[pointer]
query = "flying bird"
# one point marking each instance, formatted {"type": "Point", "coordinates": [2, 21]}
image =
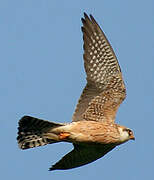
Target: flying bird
{"type": "Point", "coordinates": [93, 131]}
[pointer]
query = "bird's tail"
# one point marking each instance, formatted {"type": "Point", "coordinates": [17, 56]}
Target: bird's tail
{"type": "Point", "coordinates": [32, 132]}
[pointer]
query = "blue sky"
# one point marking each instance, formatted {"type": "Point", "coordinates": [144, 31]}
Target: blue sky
{"type": "Point", "coordinates": [42, 75]}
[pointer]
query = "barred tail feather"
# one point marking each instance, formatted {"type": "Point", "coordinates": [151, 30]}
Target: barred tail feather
{"type": "Point", "coordinates": [31, 132]}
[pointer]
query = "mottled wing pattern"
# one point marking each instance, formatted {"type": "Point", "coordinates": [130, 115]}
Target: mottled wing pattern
{"type": "Point", "coordinates": [89, 92]}
{"type": "Point", "coordinates": [82, 155]}
{"type": "Point", "coordinates": [105, 89]}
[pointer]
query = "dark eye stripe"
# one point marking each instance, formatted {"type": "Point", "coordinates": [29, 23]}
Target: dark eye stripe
{"type": "Point", "coordinates": [129, 131]}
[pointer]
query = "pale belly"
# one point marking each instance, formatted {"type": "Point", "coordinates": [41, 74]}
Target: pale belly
{"type": "Point", "coordinates": [90, 132]}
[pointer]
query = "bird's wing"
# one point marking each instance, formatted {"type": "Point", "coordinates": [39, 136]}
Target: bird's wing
{"type": "Point", "coordinates": [105, 89]}
{"type": "Point", "coordinates": [82, 155]}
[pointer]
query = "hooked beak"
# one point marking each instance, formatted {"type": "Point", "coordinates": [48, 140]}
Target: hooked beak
{"type": "Point", "coordinates": [132, 137]}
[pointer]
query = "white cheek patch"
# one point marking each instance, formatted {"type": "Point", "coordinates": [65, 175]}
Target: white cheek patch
{"type": "Point", "coordinates": [124, 136]}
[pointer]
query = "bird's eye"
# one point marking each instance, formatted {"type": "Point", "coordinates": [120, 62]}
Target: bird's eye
{"type": "Point", "coordinates": [129, 131]}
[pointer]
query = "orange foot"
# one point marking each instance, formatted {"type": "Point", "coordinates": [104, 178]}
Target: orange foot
{"type": "Point", "coordinates": [63, 135]}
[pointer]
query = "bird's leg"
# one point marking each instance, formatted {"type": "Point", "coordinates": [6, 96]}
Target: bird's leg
{"type": "Point", "coordinates": [63, 135]}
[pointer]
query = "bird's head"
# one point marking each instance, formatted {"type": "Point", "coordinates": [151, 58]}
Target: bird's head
{"type": "Point", "coordinates": [125, 134]}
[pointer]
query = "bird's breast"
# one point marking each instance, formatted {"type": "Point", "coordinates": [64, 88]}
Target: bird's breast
{"type": "Point", "coordinates": [91, 132]}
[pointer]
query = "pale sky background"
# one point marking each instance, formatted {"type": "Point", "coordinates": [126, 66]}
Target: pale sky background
{"type": "Point", "coordinates": [42, 75]}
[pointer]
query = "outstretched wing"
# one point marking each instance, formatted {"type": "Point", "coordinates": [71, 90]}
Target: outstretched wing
{"type": "Point", "coordinates": [82, 155]}
{"type": "Point", "coordinates": [105, 89]}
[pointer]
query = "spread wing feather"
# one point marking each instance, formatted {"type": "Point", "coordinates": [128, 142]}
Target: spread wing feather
{"type": "Point", "coordinates": [105, 89]}
{"type": "Point", "coordinates": [82, 155]}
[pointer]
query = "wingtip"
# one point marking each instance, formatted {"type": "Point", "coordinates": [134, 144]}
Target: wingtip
{"type": "Point", "coordinates": [52, 169]}
{"type": "Point", "coordinates": [83, 20]}
{"type": "Point", "coordinates": [85, 15]}
{"type": "Point", "coordinates": [93, 19]}
{"type": "Point", "coordinates": [87, 19]}
{"type": "Point", "coordinates": [91, 16]}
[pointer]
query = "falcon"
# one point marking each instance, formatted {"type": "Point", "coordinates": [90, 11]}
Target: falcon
{"type": "Point", "coordinates": [93, 131]}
